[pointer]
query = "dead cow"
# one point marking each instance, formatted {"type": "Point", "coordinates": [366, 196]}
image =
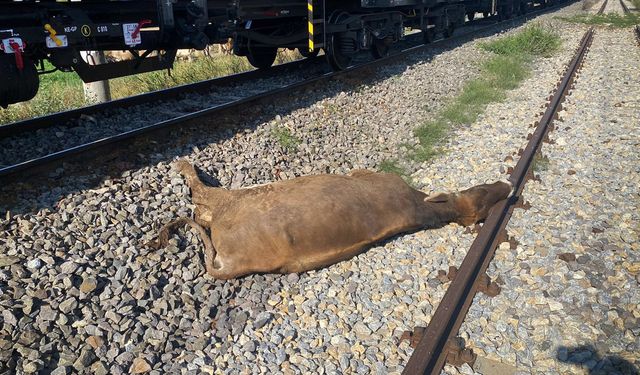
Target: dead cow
{"type": "Point", "coordinates": [314, 221]}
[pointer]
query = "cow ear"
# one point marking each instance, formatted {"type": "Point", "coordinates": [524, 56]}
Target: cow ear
{"type": "Point", "coordinates": [437, 198]}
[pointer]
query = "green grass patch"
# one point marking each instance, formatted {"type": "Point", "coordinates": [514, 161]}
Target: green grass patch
{"type": "Point", "coordinates": [393, 166]}
{"type": "Point", "coordinates": [58, 91]}
{"type": "Point", "coordinates": [539, 163]}
{"type": "Point", "coordinates": [505, 73]}
{"type": "Point", "coordinates": [612, 20]}
{"type": "Point", "coordinates": [285, 139]}
{"type": "Point", "coordinates": [183, 72]}
{"type": "Point", "coordinates": [61, 91]}
{"type": "Point", "coordinates": [533, 41]}
{"type": "Point", "coordinates": [505, 70]}
{"type": "Point", "coordinates": [429, 137]}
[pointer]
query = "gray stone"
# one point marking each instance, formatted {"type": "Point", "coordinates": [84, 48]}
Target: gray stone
{"type": "Point", "coordinates": [262, 319]}
{"type": "Point", "coordinates": [68, 305]}
{"type": "Point", "coordinates": [86, 358]}
{"type": "Point", "coordinates": [68, 267]}
{"type": "Point", "coordinates": [34, 264]}
{"type": "Point", "coordinates": [8, 317]}
{"type": "Point", "coordinates": [47, 313]}
{"type": "Point", "coordinates": [60, 370]}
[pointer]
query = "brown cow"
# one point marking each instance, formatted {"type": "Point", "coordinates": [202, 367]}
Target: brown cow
{"type": "Point", "coordinates": [314, 221]}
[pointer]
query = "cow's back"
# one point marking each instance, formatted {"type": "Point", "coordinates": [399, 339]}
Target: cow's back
{"type": "Point", "coordinates": [310, 221]}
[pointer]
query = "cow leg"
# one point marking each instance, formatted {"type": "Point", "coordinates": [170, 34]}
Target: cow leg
{"type": "Point", "coordinates": [189, 172]}
{"type": "Point", "coordinates": [209, 250]}
{"type": "Point", "coordinates": [209, 201]}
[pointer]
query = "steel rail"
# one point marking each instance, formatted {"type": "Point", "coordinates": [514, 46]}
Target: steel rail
{"type": "Point", "coordinates": [22, 167]}
{"type": "Point", "coordinates": [602, 8]}
{"type": "Point", "coordinates": [636, 28]}
{"type": "Point", "coordinates": [430, 353]}
{"type": "Point", "coordinates": [61, 118]}
{"type": "Point", "coordinates": [625, 8]}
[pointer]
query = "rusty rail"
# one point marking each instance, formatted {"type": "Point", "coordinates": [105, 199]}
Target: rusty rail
{"type": "Point", "coordinates": [438, 343]}
{"type": "Point", "coordinates": [604, 5]}
{"type": "Point", "coordinates": [625, 8]}
{"type": "Point", "coordinates": [636, 28]}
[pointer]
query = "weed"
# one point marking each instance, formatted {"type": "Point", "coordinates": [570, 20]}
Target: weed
{"type": "Point", "coordinates": [504, 71]}
{"type": "Point", "coordinates": [285, 139]}
{"type": "Point", "coordinates": [612, 20]}
{"type": "Point", "coordinates": [393, 166]}
{"type": "Point", "coordinates": [533, 41]}
{"type": "Point", "coordinates": [539, 163]}
{"type": "Point", "coordinates": [429, 137]}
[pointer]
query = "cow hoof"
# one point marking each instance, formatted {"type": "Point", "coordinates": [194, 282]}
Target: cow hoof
{"type": "Point", "coordinates": [156, 245]}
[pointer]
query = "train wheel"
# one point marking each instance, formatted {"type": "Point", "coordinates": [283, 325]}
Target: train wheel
{"type": "Point", "coordinates": [261, 57]}
{"type": "Point", "coordinates": [379, 48]}
{"type": "Point", "coordinates": [471, 15]}
{"type": "Point", "coordinates": [335, 53]}
{"type": "Point", "coordinates": [305, 52]}
{"type": "Point", "coordinates": [339, 49]}
{"type": "Point", "coordinates": [486, 14]}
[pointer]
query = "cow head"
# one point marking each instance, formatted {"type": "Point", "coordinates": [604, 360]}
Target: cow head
{"type": "Point", "coordinates": [474, 204]}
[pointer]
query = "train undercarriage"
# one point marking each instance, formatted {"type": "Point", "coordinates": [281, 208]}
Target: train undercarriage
{"type": "Point", "coordinates": [32, 33]}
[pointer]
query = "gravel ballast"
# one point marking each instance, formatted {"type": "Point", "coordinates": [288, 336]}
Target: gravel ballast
{"type": "Point", "coordinates": [81, 293]}
{"type": "Point", "coordinates": [570, 300]}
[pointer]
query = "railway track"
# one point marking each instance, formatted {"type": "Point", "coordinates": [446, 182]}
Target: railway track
{"type": "Point", "coordinates": [461, 354]}
{"type": "Point", "coordinates": [603, 7]}
{"type": "Point", "coordinates": [636, 28]}
{"type": "Point", "coordinates": [38, 162]}
{"type": "Point", "coordinates": [63, 118]}
{"type": "Point", "coordinates": [624, 6]}
{"type": "Point", "coordinates": [438, 343]}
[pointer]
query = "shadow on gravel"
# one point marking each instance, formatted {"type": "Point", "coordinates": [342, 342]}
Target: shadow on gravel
{"type": "Point", "coordinates": [48, 187]}
{"type": "Point", "coordinates": [587, 357]}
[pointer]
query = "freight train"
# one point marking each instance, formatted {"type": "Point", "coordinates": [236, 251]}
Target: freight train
{"type": "Point", "coordinates": [35, 32]}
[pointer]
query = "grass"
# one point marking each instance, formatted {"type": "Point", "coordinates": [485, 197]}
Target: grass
{"type": "Point", "coordinates": [429, 137]}
{"type": "Point", "coordinates": [393, 166]}
{"type": "Point", "coordinates": [285, 139]}
{"type": "Point", "coordinates": [58, 91]}
{"type": "Point", "coordinates": [503, 71]}
{"type": "Point", "coordinates": [61, 91]}
{"type": "Point", "coordinates": [533, 41]}
{"type": "Point", "coordinates": [540, 163]}
{"type": "Point", "coordinates": [611, 20]}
